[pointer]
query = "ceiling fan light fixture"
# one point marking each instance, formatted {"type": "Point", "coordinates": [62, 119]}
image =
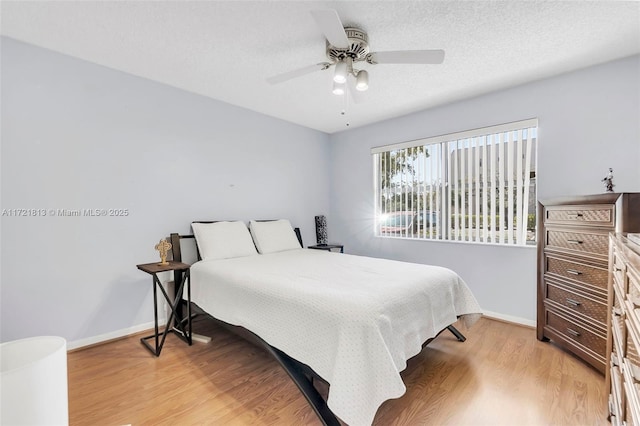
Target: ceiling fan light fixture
{"type": "Point", "coordinates": [340, 75]}
{"type": "Point", "coordinates": [338, 88]}
{"type": "Point", "coordinates": [362, 80]}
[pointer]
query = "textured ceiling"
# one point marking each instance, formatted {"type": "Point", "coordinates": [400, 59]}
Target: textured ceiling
{"type": "Point", "coordinates": [226, 49]}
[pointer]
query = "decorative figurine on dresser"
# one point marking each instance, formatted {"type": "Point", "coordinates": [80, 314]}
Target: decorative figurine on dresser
{"type": "Point", "coordinates": [608, 181]}
{"type": "Point", "coordinates": [573, 255]}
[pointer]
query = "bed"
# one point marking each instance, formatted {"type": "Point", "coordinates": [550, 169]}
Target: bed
{"type": "Point", "coordinates": [351, 321]}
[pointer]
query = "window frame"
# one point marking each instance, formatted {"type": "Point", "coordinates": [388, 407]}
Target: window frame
{"type": "Point", "coordinates": [502, 148]}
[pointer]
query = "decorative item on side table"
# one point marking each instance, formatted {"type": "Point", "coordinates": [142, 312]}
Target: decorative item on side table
{"type": "Point", "coordinates": [163, 248]}
{"type": "Point", "coordinates": [328, 247]}
{"type": "Point", "coordinates": [322, 237]}
{"type": "Point", "coordinates": [321, 230]}
{"type": "Point", "coordinates": [164, 266]}
{"type": "Point", "coordinates": [608, 181]}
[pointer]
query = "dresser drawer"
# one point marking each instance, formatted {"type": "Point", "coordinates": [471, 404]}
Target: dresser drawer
{"type": "Point", "coordinates": [588, 243]}
{"type": "Point", "coordinates": [614, 411]}
{"type": "Point", "coordinates": [619, 271]}
{"type": "Point", "coordinates": [577, 271]}
{"type": "Point", "coordinates": [618, 337]}
{"type": "Point", "coordinates": [576, 333]}
{"type": "Point", "coordinates": [617, 305]}
{"type": "Point", "coordinates": [615, 405]}
{"type": "Point", "coordinates": [632, 392]}
{"type": "Point", "coordinates": [633, 287]}
{"type": "Point", "coordinates": [629, 418]}
{"type": "Point", "coordinates": [590, 215]}
{"type": "Point", "coordinates": [633, 292]}
{"type": "Point", "coordinates": [578, 303]}
{"type": "Point", "coordinates": [631, 346]}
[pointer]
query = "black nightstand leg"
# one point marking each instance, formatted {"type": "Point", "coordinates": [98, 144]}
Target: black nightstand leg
{"type": "Point", "coordinates": [179, 329]}
{"type": "Point", "coordinates": [167, 327]}
{"type": "Point", "coordinates": [189, 307]}
{"type": "Point", "coordinates": [156, 334]}
{"type": "Point", "coordinates": [155, 313]}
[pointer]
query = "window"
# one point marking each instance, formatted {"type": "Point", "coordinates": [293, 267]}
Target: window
{"type": "Point", "coordinates": [474, 186]}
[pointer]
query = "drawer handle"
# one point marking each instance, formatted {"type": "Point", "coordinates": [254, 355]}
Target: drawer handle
{"type": "Point", "coordinates": [574, 241]}
{"type": "Point", "coordinates": [573, 302]}
{"type": "Point", "coordinates": [575, 215]}
{"type": "Point", "coordinates": [573, 332]}
{"type": "Point", "coordinates": [573, 272]}
{"type": "Point", "coordinates": [618, 269]}
{"type": "Point", "coordinates": [617, 312]}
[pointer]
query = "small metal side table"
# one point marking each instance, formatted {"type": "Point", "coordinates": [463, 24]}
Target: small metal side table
{"type": "Point", "coordinates": [328, 247]}
{"type": "Point", "coordinates": [185, 334]}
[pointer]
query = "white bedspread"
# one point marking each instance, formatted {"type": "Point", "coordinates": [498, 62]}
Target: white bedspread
{"type": "Point", "coordinates": [355, 320]}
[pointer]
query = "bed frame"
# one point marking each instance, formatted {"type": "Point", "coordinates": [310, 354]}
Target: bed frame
{"type": "Point", "coordinates": [301, 374]}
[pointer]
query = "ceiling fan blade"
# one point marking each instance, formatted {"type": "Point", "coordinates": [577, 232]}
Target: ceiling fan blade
{"type": "Point", "coordinates": [297, 73]}
{"type": "Point", "coordinates": [407, 57]}
{"type": "Point", "coordinates": [329, 23]}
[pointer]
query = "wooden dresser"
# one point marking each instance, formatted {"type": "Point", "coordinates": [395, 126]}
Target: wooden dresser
{"type": "Point", "coordinates": [573, 254]}
{"type": "Point", "coordinates": [623, 345]}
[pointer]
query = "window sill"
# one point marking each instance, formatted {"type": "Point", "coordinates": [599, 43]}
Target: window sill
{"type": "Point", "coordinates": [475, 243]}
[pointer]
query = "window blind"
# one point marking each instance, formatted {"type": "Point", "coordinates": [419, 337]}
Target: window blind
{"type": "Point", "coordinates": [475, 186]}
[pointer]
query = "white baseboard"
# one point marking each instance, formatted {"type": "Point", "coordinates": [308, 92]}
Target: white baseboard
{"type": "Point", "coordinates": [148, 326]}
{"type": "Point", "coordinates": [200, 338]}
{"type": "Point", "coordinates": [113, 335]}
{"type": "Point", "coordinates": [509, 318]}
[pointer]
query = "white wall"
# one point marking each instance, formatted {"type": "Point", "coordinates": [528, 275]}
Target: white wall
{"type": "Point", "coordinates": [76, 135]}
{"type": "Point", "coordinates": [589, 120]}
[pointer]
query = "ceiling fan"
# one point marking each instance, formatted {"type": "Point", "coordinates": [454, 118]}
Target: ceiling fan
{"type": "Point", "coordinates": [347, 46]}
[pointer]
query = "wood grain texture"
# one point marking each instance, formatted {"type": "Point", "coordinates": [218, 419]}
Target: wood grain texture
{"type": "Point", "coordinates": [501, 375]}
{"type": "Point", "coordinates": [576, 229]}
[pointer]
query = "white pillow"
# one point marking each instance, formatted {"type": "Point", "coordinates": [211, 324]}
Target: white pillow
{"type": "Point", "coordinates": [223, 240]}
{"type": "Point", "coordinates": [273, 236]}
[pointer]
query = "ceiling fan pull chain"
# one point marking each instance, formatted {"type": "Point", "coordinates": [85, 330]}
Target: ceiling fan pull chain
{"type": "Point", "coordinates": [346, 105]}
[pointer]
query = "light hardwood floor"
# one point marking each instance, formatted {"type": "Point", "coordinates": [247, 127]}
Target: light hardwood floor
{"type": "Point", "coordinates": [500, 376]}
